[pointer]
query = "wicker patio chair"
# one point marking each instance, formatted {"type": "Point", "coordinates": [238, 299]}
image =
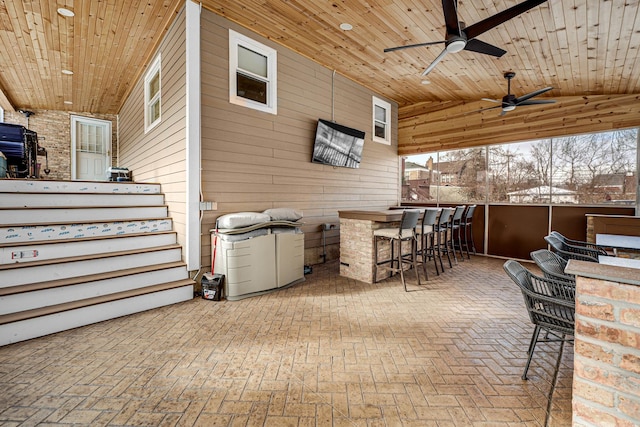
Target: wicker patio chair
{"type": "Point", "coordinates": [550, 305]}
{"type": "Point", "coordinates": [579, 243]}
{"type": "Point", "coordinates": [552, 265]}
{"type": "Point", "coordinates": [567, 252]}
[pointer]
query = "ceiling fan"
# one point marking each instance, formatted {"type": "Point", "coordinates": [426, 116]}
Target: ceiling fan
{"type": "Point", "coordinates": [510, 102]}
{"type": "Point", "coordinates": [460, 37]}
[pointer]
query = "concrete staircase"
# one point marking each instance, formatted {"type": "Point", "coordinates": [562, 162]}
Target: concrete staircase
{"type": "Point", "coordinates": [76, 253]}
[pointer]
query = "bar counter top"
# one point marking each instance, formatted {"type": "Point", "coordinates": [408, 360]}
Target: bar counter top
{"type": "Point", "coordinates": [376, 215]}
{"type": "Point", "coordinates": [611, 273]}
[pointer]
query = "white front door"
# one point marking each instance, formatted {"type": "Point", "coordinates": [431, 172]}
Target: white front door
{"type": "Point", "coordinates": [90, 148]}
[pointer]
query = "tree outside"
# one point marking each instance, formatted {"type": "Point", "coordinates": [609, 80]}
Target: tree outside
{"type": "Point", "coordinates": [584, 169]}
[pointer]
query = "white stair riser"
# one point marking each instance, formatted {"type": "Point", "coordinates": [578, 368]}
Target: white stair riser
{"type": "Point", "coordinates": [40, 233]}
{"type": "Point", "coordinates": [39, 273]}
{"type": "Point", "coordinates": [35, 186]}
{"type": "Point", "coordinates": [47, 297]}
{"type": "Point", "coordinates": [54, 216]}
{"type": "Point", "coordinates": [52, 251]}
{"type": "Point", "coordinates": [27, 200]}
{"type": "Point", "coordinates": [45, 325]}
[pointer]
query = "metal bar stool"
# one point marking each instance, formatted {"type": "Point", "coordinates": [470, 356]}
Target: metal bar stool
{"type": "Point", "coordinates": [467, 225]}
{"type": "Point", "coordinates": [455, 238]}
{"type": "Point", "coordinates": [406, 232]}
{"type": "Point", "coordinates": [425, 233]}
{"type": "Point", "coordinates": [440, 242]}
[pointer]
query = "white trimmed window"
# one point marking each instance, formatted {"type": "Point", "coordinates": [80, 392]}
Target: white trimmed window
{"type": "Point", "coordinates": [152, 96]}
{"type": "Point", "coordinates": [381, 121]}
{"type": "Point", "coordinates": [252, 74]}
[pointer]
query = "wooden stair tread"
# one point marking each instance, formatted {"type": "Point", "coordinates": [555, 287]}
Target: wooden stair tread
{"type": "Point", "coordinates": [87, 257]}
{"type": "Point", "coordinates": [58, 283]}
{"type": "Point", "coordinates": [82, 239]}
{"type": "Point", "coordinates": [44, 311]}
{"type": "Point", "coordinates": [13, 208]}
{"type": "Point", "coordinates": [88, 221]}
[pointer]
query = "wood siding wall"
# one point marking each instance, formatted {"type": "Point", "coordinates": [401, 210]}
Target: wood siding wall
{"type": "Point", "coordinates": [252, 161]}
{"type": "Point", "coordinates": [160, 155]}
{"type": "Point", "coordinates": [433, 126]}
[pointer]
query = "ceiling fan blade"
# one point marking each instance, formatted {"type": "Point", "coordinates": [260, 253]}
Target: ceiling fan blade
{"type": "Point", "coordinates": [478, 28]}
{"type": "Point", "coordinates": [536, 102]}
{"type": "Point", "coordinates": [481, 110]}
{"type": "Point", "coordinates": [450, 9]}
{"type": "Point", "coordinates": [392, 49]}
{"type": "Point", "coordinates": [532, 94]}
{"type": "Point", "coordinates": [476, 45]}
{"type": "Point", "coordinates": [490, 100]}
{"type": "Point", "coordinates": [435, 62]}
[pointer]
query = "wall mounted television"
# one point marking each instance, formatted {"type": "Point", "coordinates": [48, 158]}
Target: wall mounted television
{"type": "Point", "coordinates": [337, 145]}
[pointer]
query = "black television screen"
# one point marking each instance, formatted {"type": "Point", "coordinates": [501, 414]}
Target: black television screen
{"type": "Point", "coordinates": [337, 145]}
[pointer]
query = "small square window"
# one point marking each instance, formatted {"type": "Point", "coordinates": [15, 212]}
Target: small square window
{"type": "Point", "coordinates": [381, 121]}
{"type": "Point", "coordinates": [152, 96]}
{"type": "Point", "coordinates": [252, 74]}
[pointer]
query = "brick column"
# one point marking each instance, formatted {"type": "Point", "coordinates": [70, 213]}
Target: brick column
{"type": "Point", "coordinates": [606, 383]}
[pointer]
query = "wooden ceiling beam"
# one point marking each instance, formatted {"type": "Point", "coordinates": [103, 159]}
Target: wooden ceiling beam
{"type": "Point", "coordinates": [424, 127]}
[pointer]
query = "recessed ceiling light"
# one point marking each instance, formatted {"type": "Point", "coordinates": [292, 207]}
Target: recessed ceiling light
{"type": "Point", "coordinates": [66, 12]}
{"type": "Point", "coordinates": [68, 102]}
{"type": "Point", "coordinates": [346, 26]}
{"type": "Point", "coordinates": [67, 72]}
{"type": "Point", "coordinates": [426, 82]}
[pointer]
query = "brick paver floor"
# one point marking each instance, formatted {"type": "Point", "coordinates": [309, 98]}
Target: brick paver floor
{"type": "Point", "coordinates": [327, 352]}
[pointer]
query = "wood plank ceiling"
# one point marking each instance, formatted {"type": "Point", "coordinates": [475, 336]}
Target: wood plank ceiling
{"type": "Point", "coordinates": [588, 50]}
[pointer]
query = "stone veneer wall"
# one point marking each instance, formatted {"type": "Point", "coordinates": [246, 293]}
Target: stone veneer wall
{"type": "Point", "coordinates": [606, 384]}
{"type": "Point", "coordinates": [357, 249]}
{"type": "Point", "coordinates": [54, 133]}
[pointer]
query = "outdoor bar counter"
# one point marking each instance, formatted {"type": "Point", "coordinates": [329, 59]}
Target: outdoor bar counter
{"type": "Point", "coordinates": [607, 344]}
{"type": "Point", "coordinates": [356, 239]}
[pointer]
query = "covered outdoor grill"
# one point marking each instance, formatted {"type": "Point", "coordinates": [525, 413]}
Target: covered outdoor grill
{"type": "Point", "coordinates": [20, 147]}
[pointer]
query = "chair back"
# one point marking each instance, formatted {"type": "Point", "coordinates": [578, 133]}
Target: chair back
{"type": "Point", "coordinates": [568, 252]}
{"type": "Point", "coordinates": [552, 265]}
{"type": "Point", "coordinates": [457, 214]}
{"type": "Point", "coordinates": [550, 303]}
{"type": "Point", "coordinates": [579, 245]}
{"type": "Point", "coordinates": [468, 215]}
{"type": "Point", "coordinates": [445, 215]}
{"type": "Point", "coordinates": [430, 217]}
{"type": "Point", "coordinates": [409, 220]}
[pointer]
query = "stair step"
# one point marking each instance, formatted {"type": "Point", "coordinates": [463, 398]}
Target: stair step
{"type": "Point", "coordinates": [78, 214]}
{"type": "Point", "coordinates": [50, 200]}
{"type": "Point", "coordinates": [51, 250]}
{"type": "Point", "coordinates": [26, 297]}
{"type": "Point", "coordinates": [39, 322]}
{"type": "Point", "coordinates": [64, 268]}
{"type": "Point", "coordinates": [67, 187]}
{"type": "Point", "coordinates": [70, 281]}
{"type": "Point", "coordinates": [36, 233]}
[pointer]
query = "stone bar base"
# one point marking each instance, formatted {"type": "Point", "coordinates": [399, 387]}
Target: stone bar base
{"type": "Point", "coordinates": [606, 382]}
{"type": "Point", "coordinates": [357, 247]}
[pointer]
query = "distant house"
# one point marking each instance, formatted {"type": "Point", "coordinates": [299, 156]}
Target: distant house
{"type": "Point", "coordinates": [614, 183]}
{"type": "Point", "coordinates": [415, 171]}
{"type": "Point", "coordinates": [541, 194]}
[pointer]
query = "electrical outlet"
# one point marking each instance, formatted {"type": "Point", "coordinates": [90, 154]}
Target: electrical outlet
{"type": "Point", "coordinates": [208, 206]}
